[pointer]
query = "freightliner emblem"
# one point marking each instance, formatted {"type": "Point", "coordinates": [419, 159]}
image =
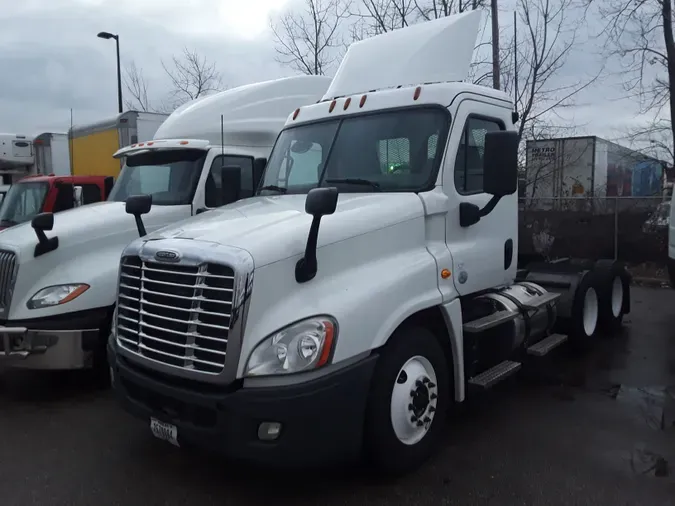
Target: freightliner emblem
{"type": "Point", "coordinates": [167, 256]}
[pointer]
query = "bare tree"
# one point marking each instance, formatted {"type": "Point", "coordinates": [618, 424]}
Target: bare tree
{"type": "Point", "coordinates": [308, 41]}
{"type": "Point", "coordinates": [640, 34]}
{"type": "Point", "coordinates": [137, 89]}
{"type": "Point", "coordinates": [550, 34]}
{"type": "Point", "coordinates": [191, 77]}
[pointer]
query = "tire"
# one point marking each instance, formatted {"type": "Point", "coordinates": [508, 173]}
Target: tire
{"type": "Point", "coordinates": [583, 325]}
{"type": "Point", "coordinates": [615, 290]}
{"type": "Point", "coordinates": [415, 351]}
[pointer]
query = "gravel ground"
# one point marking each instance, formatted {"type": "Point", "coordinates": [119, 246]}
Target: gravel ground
{"type": "Point", "coordinates": [599, 430]}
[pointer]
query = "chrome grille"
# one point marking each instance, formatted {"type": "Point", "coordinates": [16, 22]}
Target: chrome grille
{"type": "Point", "coordinates": [7, 267]}
{"type": "Point", "coordinates": [175, 314]}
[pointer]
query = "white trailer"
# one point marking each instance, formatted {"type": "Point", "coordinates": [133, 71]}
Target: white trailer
{"type": "Point", "coordinates": [52, 154]}
{"type": "Point", "coordinates": [57, 293]}
{"type": "Point", "coordinates": [370, 285]}
{"type": "Point", "coordinates": [588, 166]}
{"type": "Point", "coordinates": [16, 157]}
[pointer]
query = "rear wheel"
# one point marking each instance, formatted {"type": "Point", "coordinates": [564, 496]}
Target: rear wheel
{"type": "Point", "coordinates": [408, 401]}
{"type": "Point", "coordinates": [613, 299]}
{"type": "Point", "coordinates": [585, 317]}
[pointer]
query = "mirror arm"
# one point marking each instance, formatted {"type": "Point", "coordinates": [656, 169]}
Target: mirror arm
{"type": "Point", "coordinates": [489, 207]}
{"type": "Point", "coordinates": [306, 268]}
{"type": "Point", "coordinates": [139, 225]}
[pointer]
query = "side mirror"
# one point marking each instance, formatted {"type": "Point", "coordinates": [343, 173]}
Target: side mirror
{"type": "Point", "coordinates": [500, 175]}
{"type": "Point", "coordinates": [230, 183]}
{"type": "Point", "coordinates": [108, 184]}
{"type": "Point", "coordinates": [41, 223]}
{"type": "Point", "coordinates": [64, 197]}
{"type": "Point", "coordinates": [319, 202]}
{"type": "Point", "coordinates": [138, 205]}
{"type": "Point", "coordinates": [77, 196]}
{"type": "Point", "coordinates": [500, 163]}
{"type": "Point", "coordinates": [259, 165]}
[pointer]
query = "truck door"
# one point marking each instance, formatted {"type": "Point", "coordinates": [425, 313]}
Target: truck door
{"type": "Point", "coordinates": [212, 195]}
{"type": "Point", "coordinates": [484, 254]}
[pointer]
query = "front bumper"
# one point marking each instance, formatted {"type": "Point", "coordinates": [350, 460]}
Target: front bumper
{"type": "Point", "coordinates": [44, 349]}
{"type": "Point", "coordinates": [65, 341]}
{"type": "Point", "coordinates": [321, 420]}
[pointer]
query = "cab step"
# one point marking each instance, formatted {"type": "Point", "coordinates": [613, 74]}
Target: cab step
{"type": "Point", "coordinates": [489, 321]}
{"type": "Point", "coordinates": [487, 379]}
{"type": "Point", "coordinates": [546, 345]}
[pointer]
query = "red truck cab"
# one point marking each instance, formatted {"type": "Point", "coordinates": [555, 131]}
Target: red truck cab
{"type": "Point", "coordinates": [33, 195]}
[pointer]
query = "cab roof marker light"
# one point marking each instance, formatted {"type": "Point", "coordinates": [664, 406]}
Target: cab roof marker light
{"type": "Point", "coordinates": [363, 100]}
{"type": "Point", "coordinates": [183, 143]}
{"type": "Point", "coordinates": [418, 90]}
{"type": "Point", "coordinates": [295, 114]}
{"type": "Point", "coordinates": [347, 102]}
{"type": "Point", "coordinates": [332, 106]}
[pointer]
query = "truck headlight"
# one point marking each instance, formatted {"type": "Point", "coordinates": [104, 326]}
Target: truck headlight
{"type": "Point", "coordinates": [55, 295]}
{"type": "Point", "coordinates": [299, 347]}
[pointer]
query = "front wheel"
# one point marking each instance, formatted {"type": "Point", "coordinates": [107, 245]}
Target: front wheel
{"type": "Point", "coordinates": [408, 401]}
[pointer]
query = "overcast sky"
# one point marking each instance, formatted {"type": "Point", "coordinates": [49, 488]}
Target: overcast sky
{"type": "Point", "coordinates": [51, 59]}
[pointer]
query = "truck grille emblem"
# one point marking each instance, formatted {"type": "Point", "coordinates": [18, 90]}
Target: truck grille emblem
{"type": "Point", "coordinates": [167, 256]}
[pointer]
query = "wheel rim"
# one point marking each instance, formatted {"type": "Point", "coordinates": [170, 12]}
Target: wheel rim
{"type": "Point", "coordinates": [590, 317]}
{"type": "Point", "coordinates": [617, 296]}
{"type": "Point", "coordinates": [413, 400]}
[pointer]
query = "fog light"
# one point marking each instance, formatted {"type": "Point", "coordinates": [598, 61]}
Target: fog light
{"type": "Point", "coordinates": [269, 431]}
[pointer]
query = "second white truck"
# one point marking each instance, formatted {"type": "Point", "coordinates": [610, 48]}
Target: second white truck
{"type": "Point", "coordinates": [58, 273]}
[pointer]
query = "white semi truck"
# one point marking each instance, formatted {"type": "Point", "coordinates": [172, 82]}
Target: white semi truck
{"type": "Point", "coordinates": [371, 283]}
{"type": "Point", "coordinates": [58, 279]}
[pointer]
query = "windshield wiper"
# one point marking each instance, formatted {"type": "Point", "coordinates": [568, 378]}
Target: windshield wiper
{"type": "Point", "coordinates": [274, 188]}
{"type": "Point", "coordinates": [372, 184]}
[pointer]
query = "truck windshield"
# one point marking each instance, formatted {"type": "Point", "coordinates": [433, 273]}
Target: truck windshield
{"type": "Point", "coordinates": [170, 176]}
{"type": "Point", "coordinates": [395, 151]}
{"type": "Point", "coordinates": [22, 202]}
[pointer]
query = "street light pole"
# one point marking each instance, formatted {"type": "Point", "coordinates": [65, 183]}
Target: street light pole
{"type": "Point", "coordinates": [108, 35]}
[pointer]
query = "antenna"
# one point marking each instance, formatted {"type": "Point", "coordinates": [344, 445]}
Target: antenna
{"type": "Point", "coordinates": [222, 135]}
{"type": "Point", "coordinates": [70, 141]}
{"type": "Point", "coordinates": [515, 63]}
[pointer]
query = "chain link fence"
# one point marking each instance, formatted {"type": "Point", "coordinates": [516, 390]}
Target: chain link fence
{"type": "Point", "coordinates": [632, 229]}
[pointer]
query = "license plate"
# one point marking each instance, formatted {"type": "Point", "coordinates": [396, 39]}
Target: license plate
{"type": "Point", "coordinates": [164, 431]}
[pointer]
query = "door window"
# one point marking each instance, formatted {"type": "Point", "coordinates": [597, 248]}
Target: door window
{"type": "Point", "coordinates": [469, 161]}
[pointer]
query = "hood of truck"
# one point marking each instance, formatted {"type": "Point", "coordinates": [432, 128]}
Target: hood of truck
{"type": "Point", "coordinates": [91, 224]}
{"type": "Point", "coordinates": [275, 228]}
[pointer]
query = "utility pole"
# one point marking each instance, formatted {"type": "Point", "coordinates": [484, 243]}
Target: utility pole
{"type": "Point", "coordinates": [495, 44]}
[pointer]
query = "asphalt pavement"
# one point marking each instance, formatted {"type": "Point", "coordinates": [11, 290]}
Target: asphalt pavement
{"type": "Point", "coordinates": [597, 430]}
